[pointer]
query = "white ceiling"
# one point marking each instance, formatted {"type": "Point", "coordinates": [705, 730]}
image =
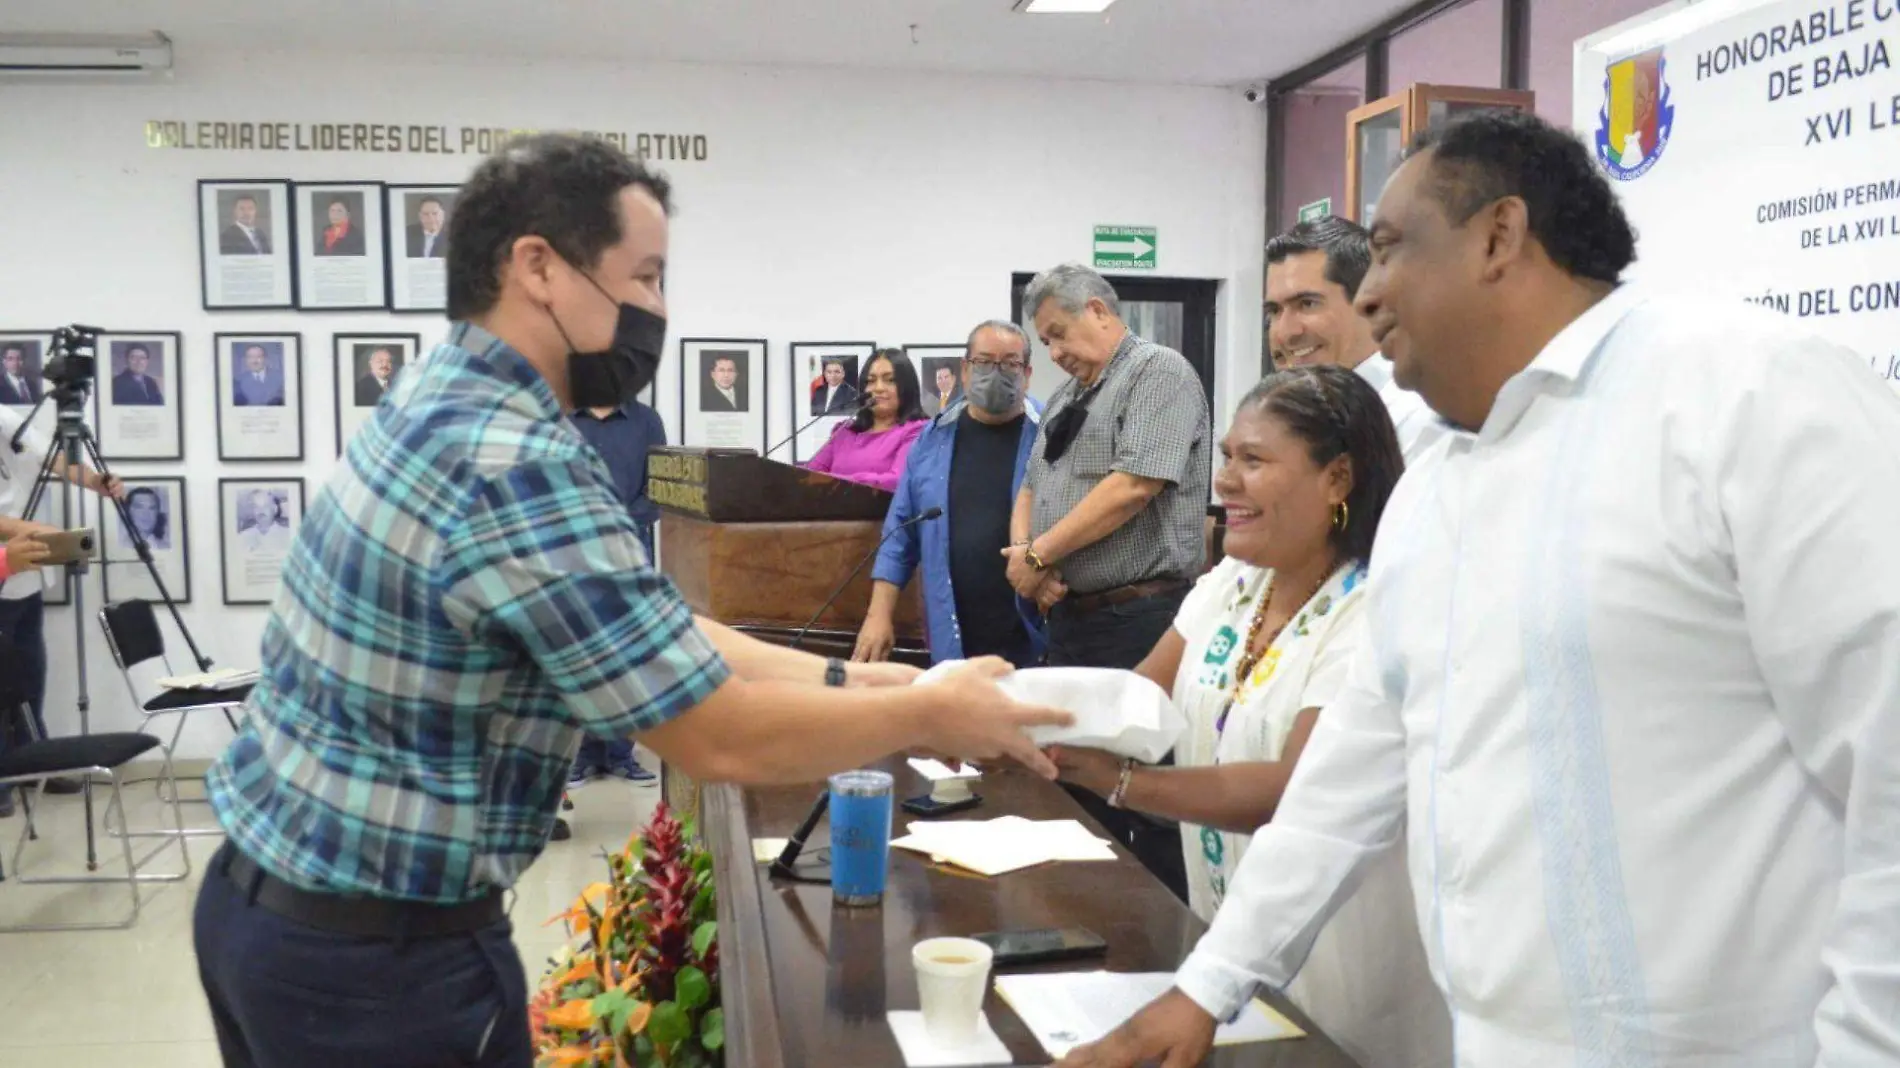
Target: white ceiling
{"type": "Point", "coordinates": [1194, 42]}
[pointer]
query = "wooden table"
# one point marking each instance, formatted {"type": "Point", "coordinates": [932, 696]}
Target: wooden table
{"type": "Point", "coordinates": [805, 985]}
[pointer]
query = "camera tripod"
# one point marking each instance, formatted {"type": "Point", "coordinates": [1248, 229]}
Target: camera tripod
{"type": "Point", "coordinates": [69, 372]}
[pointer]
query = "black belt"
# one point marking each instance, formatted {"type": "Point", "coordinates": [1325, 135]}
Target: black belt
{"type": "Point", "coordinates": [366, 917]}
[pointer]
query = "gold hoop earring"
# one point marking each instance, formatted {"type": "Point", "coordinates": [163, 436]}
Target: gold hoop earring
{"type": "Point", "coordinates": [1342, 516]}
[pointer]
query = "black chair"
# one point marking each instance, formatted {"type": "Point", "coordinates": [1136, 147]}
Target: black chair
{"type": "Point", "coordinates": [39, 760]}
{"type": "Point", "coordinates": [131, 629]}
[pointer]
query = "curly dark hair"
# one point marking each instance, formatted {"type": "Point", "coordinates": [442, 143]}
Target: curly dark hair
{"type": "Point", "coordinates": [1348, 250]}
{"type": "Point", "coordinates": [1484, 156]}
{"type": "Point", "coordinates": [1337, 412]}
{"type": "Point", "coordinates": [910, 402]}
{"type": "Point", "coordinates": [561, 187]}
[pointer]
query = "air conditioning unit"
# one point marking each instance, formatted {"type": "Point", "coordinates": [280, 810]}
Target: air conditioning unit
{"type": "Point", "coordinates": [84, 56]}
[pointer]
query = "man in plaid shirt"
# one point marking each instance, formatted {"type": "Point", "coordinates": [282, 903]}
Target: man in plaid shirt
{"type": "Point", "coordinates": [464, 602]}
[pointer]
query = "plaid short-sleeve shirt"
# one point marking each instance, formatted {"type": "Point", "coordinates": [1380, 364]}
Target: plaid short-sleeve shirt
{"type": "Point", "coordinates": [1147, 417]}
{"type": "Point", "coordinates": [463, 601]}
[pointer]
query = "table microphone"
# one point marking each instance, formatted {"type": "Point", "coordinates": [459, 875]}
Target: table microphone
{"type": "Point", "coordinates": [922, 517]}
{"type": "Point", "coordinates": [796, 844]}
{"type": "Point", "coordinates": [864, 402]}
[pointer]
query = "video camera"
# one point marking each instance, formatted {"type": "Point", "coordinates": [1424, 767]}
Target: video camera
{"type": "Point", "coordinates": [74, 360]}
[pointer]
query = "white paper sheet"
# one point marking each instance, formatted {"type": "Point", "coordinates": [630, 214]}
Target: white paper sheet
{"type": "Point", "coordinates": [1118, 711]}
{"type": "Point", "coordinates": [1069, 1009]}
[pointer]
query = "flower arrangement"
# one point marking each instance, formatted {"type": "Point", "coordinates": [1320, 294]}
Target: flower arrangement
{"type": "Point", "coordinates": [639, 985]}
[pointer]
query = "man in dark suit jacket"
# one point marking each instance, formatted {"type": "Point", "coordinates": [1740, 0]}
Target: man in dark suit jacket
{"type": "Point", "coordinates": [15, 386]}
{"type": "Point", "coordinates": [133, 386]}
{"type": "Point", "coordinates": [256, 386]}
{"type": "Point", "coordinates": [724, 392]}
{"type": "Point", "coordinates": [382, 372]}
{"type": "Point", "coordinates": [427, 239]}
{"type": "Point", "coordinates": [343, 237]}
{"type": "Point", "coordinates": [834, 396]}
{"type": "Point", "coordinates": [242, 236]}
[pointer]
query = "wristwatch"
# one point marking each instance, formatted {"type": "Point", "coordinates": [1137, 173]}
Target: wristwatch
{"type": "Point", "coordinates": [834, 672]}
{"type": "Point", "coordinates": [1034, 558]}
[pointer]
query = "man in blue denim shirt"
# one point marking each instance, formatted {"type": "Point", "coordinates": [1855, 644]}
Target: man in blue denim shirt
{"type": "Point", "coordinates": [957, 465]}
{"type": "Point", "coordinates": [622, 436]}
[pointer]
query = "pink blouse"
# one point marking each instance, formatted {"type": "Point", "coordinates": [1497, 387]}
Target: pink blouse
{"type": "Point", "coordinates": [875, 458]}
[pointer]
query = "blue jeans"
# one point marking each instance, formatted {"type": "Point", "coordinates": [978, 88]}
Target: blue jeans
{"type": "Point", "coordinates": [23, 662]}
{"type": "Point", "coordinates": [603, 752]}
{"type": "Point", "coordinates": [284, 995]}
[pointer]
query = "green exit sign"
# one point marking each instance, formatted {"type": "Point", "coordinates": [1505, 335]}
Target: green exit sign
{"type": "Point", "coordinates": [1318, 209]}
{"type": "Point", "coordinates": [1126, 247]}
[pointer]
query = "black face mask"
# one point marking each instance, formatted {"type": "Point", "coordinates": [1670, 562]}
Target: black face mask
{"type": "Point", "coordinates": [612, 378]}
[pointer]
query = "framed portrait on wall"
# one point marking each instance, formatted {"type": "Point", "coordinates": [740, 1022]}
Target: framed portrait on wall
{"type": "Point", "coordinates": [22, 368]}
{"type": "Point", "coordinates": [260, 396]}
{"type": "Point", "coordinates": [257, 521]}
{"type": "Point", "coordinates": [157, 508]}
{"type": "Point", "coordinates": [366, 368]}
{"type": "Point", "coordinates": [138, 398]}
{"type": "Point", "coordinates": [244, 244]}
{"type": "Point", "coordinates": [723, 385]}
{"type": "Point", "coordinates": [824, 388]}
{"type": "Point", "coordinates": [339, 232]}
{"type": "Point", "coordinates": [939, 373]}
{"type": "Point", "coordinates": [418, 245]}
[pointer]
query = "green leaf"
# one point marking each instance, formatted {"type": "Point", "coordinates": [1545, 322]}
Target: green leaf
{"type": "Point", "coordinates": [712, 1030]}
{"type": "Point", "coordinates": [691, 988]}
{"type": "Point", "coordinates": [669, 1025]}
{"type": "Point", "coordinates": [612, 1008]}
{"type": "Point", "coordinates": [703, 938]}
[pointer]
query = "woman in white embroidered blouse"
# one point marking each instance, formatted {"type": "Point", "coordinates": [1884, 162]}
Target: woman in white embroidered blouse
{"type": "Point", "coordinates": [1258, 650]}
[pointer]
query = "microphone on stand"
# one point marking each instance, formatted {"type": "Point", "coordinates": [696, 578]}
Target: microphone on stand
{"type": "Point", "coordinates": [783, 866]}
{"type": "Point", "coordinates": [863, 402]}
{"type": "Point", "coordinates": [922, 517]}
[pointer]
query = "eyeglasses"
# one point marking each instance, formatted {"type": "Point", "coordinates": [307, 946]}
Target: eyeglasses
{"type": "Point", "coordinates": [1007, 365]}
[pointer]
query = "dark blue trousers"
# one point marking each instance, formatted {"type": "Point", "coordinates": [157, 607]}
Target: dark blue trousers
{"type": "Point", "coordinates": [23, 658]}
{"type": "Point", "coordinates": [284, 995]}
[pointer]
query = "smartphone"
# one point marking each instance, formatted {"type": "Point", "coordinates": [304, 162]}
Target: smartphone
{"type": "Point", "coordinates": [1043, 945]}
{"type": "Point", "coordinates": [66, 546]}
{"type": "Point", "coordinates": [925, 805]}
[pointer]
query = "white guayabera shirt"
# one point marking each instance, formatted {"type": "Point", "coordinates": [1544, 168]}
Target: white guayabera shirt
{"type": "Point", "coordinates": [1632, 689]}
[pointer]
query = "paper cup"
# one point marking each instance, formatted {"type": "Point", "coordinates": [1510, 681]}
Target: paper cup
{"type": "Point", "coordinates": [952, 976]}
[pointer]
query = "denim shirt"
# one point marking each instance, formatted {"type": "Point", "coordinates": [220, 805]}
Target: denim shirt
{"type": "Point", "coordinates": [925, 484]}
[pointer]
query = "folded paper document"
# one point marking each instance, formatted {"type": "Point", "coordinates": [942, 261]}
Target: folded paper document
{"type": "Point", "coordinates": [1114, 710]}
{"type": "Point", "coordinates": [1010, 843]}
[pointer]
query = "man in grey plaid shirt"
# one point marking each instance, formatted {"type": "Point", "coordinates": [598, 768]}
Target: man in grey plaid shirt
{"type": "Point", "coordinates": [1107, 532]}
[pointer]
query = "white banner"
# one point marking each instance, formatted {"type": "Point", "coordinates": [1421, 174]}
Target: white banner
{"type": "Point", "coordinates": [1756, 145]}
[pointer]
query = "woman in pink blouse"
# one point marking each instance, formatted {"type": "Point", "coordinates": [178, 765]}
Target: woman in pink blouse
{"type": "Point", "coordinates": [871, 447]}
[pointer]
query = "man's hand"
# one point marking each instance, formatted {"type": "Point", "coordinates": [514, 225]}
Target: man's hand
{"type": "Point", "coordinates": [1053, 589]}
{"type": "Point", "coordinates": [875, 639]}
{"type": "Point", "coordinates": [880, 674]}
{"type": "Point", "coordinates": [109, 486]}
{"type": "Point", "coordinates": [1023, 577]}
{"type": "Point", "coordinates": [1091, 769]}
{"type": "Point", "coordinates": [979, 722]}
{"type": "Point", "coordinates": [1172, 1032]}
{"type": "Point", "coordinates": [24, 553]}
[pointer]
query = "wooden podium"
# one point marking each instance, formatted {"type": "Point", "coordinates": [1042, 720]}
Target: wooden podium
{"type": "Point", "coordinates": [759, 545]}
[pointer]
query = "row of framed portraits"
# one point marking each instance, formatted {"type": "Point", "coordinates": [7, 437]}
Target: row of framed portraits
{"type": "Point", "coordinates": [271, 243]}
{"type": "Point", "coordinates": [138, 397]}
{"type": "Point", "coordinates": [257, 522]}
{"type": "Point", "coordinates": [723, 383]}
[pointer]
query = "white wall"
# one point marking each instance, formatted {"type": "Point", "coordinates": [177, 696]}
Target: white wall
{"type": "Point", "coordinates": [834, 205]}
